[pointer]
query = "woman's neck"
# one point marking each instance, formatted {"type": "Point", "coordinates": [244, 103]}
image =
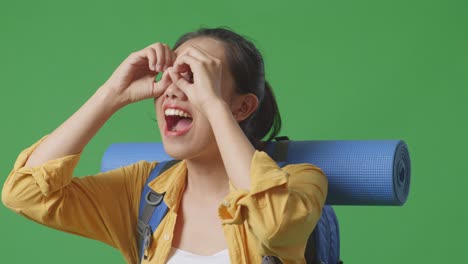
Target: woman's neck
{"type": "Point", "coordinates": [207, 177]}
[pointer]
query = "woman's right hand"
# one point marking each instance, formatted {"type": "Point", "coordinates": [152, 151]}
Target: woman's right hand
{"type": "Point", "coordinates": [134, 79]}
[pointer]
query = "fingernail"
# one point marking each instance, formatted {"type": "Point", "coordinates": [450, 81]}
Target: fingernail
{"type": "Point", "coordinates": [158, 67]}
{"type": "Point", "coordinates": [151, 67]}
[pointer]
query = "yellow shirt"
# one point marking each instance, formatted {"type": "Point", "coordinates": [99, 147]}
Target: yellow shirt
{"type": "Point", "coordinates": [274, 217]}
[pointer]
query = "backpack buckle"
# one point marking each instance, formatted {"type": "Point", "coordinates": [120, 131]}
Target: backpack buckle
{"type": "Point", "coordinates": [147, 233]}
{"type": "Point", "coordinates": [154, 198]}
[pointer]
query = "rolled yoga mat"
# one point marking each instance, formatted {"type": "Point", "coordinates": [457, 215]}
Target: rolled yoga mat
{"type": "Point", "coordinates": [359, 172]}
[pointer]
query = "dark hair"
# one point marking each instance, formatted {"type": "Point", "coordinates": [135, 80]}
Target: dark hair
{"type": "Point", "coordinates": [247, 68]}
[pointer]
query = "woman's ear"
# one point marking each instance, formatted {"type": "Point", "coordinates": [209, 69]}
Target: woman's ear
{"type": "Point", "coordinates": [244, 106]}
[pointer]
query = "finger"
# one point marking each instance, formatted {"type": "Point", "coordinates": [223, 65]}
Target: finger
{"type": "Point", "coordinates": [180, 67]}
{"type": "Point", "coordinates": [160, 86]}
{"type": "Point", "coordinates": [151, 55]}
{"type": "Point", "coordinates": [138, 58]}
{"type": "Point", "coordinates": [160, 56]}
{"type": "Point", "coordinates": [202, 54]}
{"type": "Point", "coordinates": [178, 80]}
{"type": "Point", "coordinates": [168, 57]}
{"type": "Point", "coordinates": [197, 53]}
{"type": "Point", "coordinates": [174, 56]}
{"type": "Point", "coordinates": [187, 76]}
{"type": "Point", "coordinates": [165, 77]}
{"type": "Point", "coordinates": [184, 61]}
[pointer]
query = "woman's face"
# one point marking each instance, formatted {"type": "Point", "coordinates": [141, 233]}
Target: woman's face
{"type": "Point", "coordinates": [191, 137]}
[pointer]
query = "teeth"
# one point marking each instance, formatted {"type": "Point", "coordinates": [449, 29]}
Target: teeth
{"type": "Point", "coordinates": [176, 112]}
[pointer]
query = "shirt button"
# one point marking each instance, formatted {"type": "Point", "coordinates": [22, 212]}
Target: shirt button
{"type": "Point", "coordinates": [166, 237]}
{"type": "Point", "coordinates": [225, 203]}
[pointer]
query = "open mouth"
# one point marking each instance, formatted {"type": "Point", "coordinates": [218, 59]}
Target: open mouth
{"type": "Point", "coordinates": [177, 121]}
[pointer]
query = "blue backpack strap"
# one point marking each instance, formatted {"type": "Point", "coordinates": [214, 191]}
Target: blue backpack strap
{"type": "Point", "coordinates": [152, 209]}
{"type": "Point", "coordinates": [280, 151]}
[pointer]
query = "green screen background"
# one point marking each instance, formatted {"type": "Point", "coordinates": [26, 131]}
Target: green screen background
{"type": "Point", "coordinates": [340, 70]}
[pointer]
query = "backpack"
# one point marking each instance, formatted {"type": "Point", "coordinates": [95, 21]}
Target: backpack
{"type": "Point", "coordinates": [323, 245]}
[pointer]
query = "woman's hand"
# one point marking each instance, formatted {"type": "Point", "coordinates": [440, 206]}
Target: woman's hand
{"type": "Point", "coordinates": [134, 79]}
{"type": "Point", "coordinates": [204, 92]}
{"type": "Point", "coordinates": [198, 74]}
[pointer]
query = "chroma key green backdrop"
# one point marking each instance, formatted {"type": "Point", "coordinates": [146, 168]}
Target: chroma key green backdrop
{"type": "Point", "coordinates": [341, 70]}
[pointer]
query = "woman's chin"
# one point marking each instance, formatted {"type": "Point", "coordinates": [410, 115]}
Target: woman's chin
{"type": "Point", "coordinates": [178, 150]}
{"type": "Point", "coordinates": [185, 150]}
{"type": "Point", "coordinates": [187, 145]}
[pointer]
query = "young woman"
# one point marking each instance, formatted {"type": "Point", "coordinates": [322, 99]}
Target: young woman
{"type": "Point", "coordinates": [228, 201]}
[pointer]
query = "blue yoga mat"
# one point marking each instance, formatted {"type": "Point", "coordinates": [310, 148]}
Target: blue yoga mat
{"type": "Point", "coordinates": [360, 172]}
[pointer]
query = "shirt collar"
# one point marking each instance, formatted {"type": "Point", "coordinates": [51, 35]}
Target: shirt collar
{"type": "Point", "coordinates": [172, 183]}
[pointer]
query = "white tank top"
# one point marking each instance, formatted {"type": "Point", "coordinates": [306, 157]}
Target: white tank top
{"type": "Point", "coordinates": [178, 256]}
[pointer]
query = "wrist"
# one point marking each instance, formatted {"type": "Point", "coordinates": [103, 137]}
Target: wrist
{"type": "Point", "coordinates": [217, 108]}
{"type": "Point", "coordinates": [110, 100]}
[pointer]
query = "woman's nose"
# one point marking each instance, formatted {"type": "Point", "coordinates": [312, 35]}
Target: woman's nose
{"type": "Point", "coordinates": [173, 92]}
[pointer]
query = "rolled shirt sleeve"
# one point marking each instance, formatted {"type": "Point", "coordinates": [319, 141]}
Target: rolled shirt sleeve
{"type": "Point", "coordinates": [49, 177]}
{"type": "Point", "coordinates": [282, 207]}
{"type": "Point", "coordinates": [102, 206]}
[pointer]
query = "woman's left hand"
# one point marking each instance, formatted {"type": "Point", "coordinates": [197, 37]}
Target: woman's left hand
{"type": "Point", "coordinates": [198, 74]}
